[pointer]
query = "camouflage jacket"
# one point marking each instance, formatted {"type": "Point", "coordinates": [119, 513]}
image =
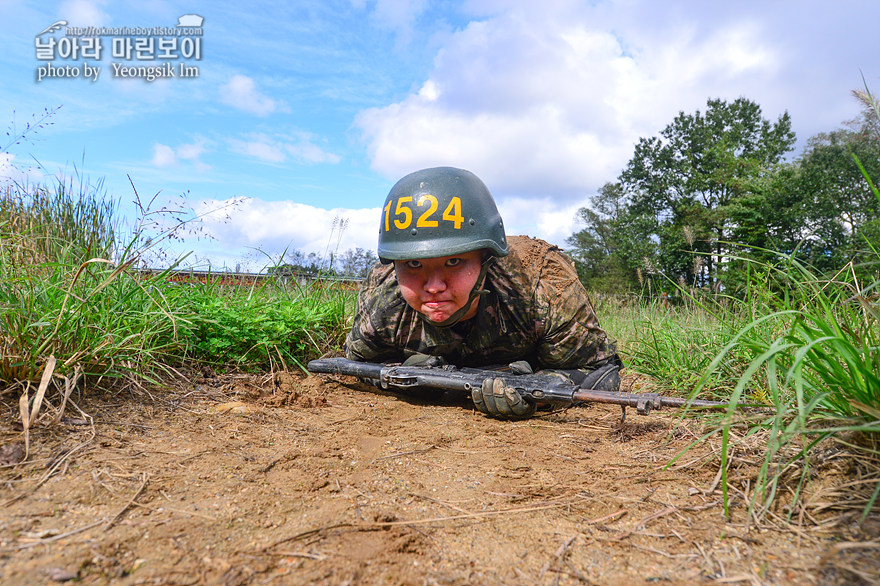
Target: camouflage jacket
{"type": "Point", "coordinates": [536, 309]}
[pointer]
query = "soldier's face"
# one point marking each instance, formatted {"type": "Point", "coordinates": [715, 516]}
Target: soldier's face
{"type": "Point", "coordinates": [438, 287]}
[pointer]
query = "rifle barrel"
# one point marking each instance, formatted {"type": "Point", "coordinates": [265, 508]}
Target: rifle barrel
{"type": "Point", "coordinates": [343, 366]}
{"type": "Point", "coordinates": [642, 401]}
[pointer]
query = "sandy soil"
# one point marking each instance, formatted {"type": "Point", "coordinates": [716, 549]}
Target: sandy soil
{"type": "Point", "coordinates": [289, 480]}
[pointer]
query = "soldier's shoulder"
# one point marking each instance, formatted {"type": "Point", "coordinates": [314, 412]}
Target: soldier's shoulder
{"type": "Point", "coordinates": [529, 246]}
{"type": "Point", "coordinates": [379, 275]}
{"type": "Point", "coordinates": [533, 253]}
{"type": "Point", "coordinates": [535, 258]}
{"type": "Point", "coordinates": [379, 287]}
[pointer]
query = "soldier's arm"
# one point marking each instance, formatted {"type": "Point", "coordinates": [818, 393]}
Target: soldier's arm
{"type": "Point", "coordinates": [573, 337]}
{"type": "Point", "coordinates": [368, 340]}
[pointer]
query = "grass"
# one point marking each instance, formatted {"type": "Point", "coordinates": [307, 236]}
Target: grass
{"type": "Point", "coordinates": [819, 367]}
{"type": "Point", "coordinates": [61, 294]}
{"type": "Point", "coordinates": [674, 345]}
{"type": "Point", "coordinates": [74, 307]}
{"type": "Point", "coordinates": [265, 326]}
{"type": "Point", "coordinates": [803, 344]}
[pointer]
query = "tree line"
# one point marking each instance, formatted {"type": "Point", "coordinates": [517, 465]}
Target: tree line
{"type": "Point", "coordinates": [352, 263]}
{"type": "Point", "coordinates": [714, 186]}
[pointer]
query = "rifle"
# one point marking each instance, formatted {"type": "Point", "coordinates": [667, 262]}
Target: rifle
{"type": "Point", "coordinates": [537, 388]}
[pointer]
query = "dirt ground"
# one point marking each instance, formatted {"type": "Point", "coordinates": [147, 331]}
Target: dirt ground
{"type": "Point", "coordinates": [280, 479]}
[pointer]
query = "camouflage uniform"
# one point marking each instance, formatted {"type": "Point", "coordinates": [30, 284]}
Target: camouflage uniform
{"type": "Point", "coordinates": [536, 310]}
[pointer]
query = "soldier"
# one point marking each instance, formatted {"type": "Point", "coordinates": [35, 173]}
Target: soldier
{"type": "Point", "coordinates": [452, 288]}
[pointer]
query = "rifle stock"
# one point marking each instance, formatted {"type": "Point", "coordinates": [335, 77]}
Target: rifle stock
{"type": "Point", "coordinates": [538, 388]}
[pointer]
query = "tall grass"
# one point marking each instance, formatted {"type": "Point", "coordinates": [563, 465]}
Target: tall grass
{"type": "Point", "coordinates": [675, 344]}
{"type": "Point", "coordinates": [804, 344]}
{"type": "Point", "coordinates": [818, 367]}
{"type": "Point", "coordinates": [61, 294]}
{"type": "Point", "coordinates": [62, 221]}
{"type": "Point", "coordinates": [807, 345]}
{"type": "Point", "coordinates": [74, 305]}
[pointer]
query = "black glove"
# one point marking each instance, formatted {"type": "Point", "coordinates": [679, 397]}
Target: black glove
{"type": "Point", "coordinates": [604, 378]}
{"type": "Point", "coordinates": [496, 399]}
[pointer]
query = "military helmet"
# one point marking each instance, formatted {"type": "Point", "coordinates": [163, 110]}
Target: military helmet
{"type": "Point", "coordinates": [439, 212]}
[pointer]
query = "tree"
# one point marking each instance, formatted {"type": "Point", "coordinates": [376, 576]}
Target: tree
{"type": "Point", "coordinates": [712, 185]}
{"type": "Point", "coordinates": [298, 263]}
{"type": "Point", "coordinates": [694, 174]}
{"type": "Point", "coordinates": [821, 207]}
{"type": "Point", "coordinates": [610, 251]}
{"type": "Point", "coordinates": [355, 262]}
{"type": "Point", "coordinates": [844, 210]}
{"type": "Point", "coordinates": [771, 214]}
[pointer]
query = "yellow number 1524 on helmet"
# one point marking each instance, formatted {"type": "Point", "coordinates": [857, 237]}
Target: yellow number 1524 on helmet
{"type": "Point", "coordinates": [437, 212]}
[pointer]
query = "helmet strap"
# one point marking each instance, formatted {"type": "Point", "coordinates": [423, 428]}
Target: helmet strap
{"type": "Point", "coordinates": [475, 292]}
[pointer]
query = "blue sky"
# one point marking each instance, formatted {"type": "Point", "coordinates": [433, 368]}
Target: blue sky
{"type": "Point", "coordinates": [309, 111]}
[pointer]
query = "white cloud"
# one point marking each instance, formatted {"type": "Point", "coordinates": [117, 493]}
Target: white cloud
{"type": "Point", "coordinates": [398, 16]}
{"type": "Point", "coordinates": [271, 227]}
{"type": "Point", "coordinates": [394, 14]}
{"type": "Point", "coordinates": [192, 151]}
{"type": "Point", "coordinates": [276, 149]}
{"type": "Point", "coordinates": [429, 92]}
{"type": "Point", "coordinates": [541, 217]}
{"type": "Point", "coordinates": [165, 156]}
{"type": "Point", "coordinates": [18, 174]}
{"type": "Point", "coordinates": [307, 151]}
{"type": "Point", "coordinates": [550, 102]}
{"type": "Point", "coordinates": [275, 226]}
{"type": "Point", "coordinates": [259, 147]}
{"type": "Point", "coordinates": [241, 92]}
